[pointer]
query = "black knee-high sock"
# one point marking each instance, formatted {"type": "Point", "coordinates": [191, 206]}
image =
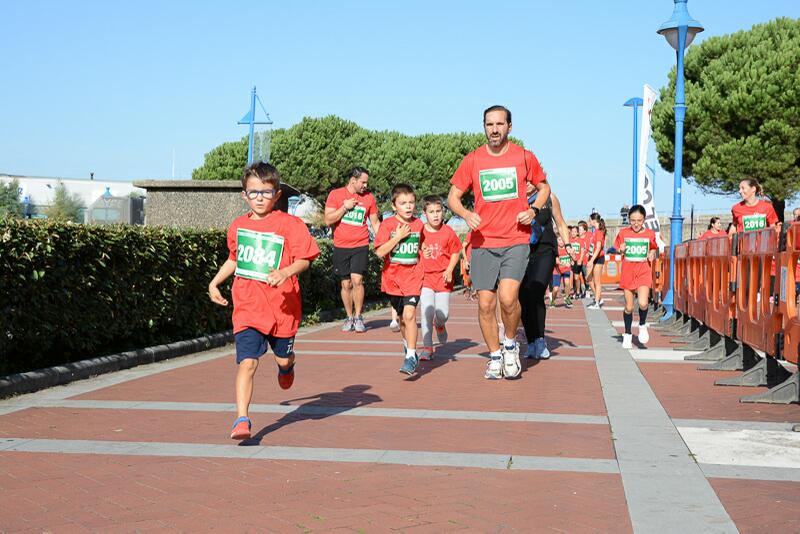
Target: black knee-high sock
{"type": "Point", "coordinates": [642, 316]}
{"type": "Point", "coordinates": [628, 318]}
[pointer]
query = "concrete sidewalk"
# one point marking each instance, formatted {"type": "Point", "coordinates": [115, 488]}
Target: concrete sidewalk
{"type": "Point", "coordinates": [596, 439]}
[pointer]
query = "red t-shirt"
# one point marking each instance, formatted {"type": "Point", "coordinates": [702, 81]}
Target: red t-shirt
{"type": "Point", "coordinates": [597, 240]}
{"type": "Point", "coordinates": [442, 243]}
{"type": "Point", "coordinates": [756, 217]}
{"type": "Point", "coordinates": [637, 244]}
{"type": "Point", "coordinates": [351, 231]}
{"type": "Point", "coordinates": [276, 241]}
{"type": "Point", "coordinates": [498, 184]}
{"type": "Point", "coordinates": [402, 270]}
{"type": "Point", "coordinates": [564, 261]}
{"type": "Point", "coordinates": [708, 234]}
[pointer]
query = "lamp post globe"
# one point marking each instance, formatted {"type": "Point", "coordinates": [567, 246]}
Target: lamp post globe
{"type": "Point", "coordinates": [679, 31]}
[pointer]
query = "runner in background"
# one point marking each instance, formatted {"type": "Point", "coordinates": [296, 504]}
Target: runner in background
{"type": "Point", "coordinates": [752, 213]}
{"type": "Point", "coordinates": [583, 239]}
{"type": "Point", "coordinates": [597, 258]}
{"type": "Point", "coordinates": [714, 229]}
{"type": "Point", "coordinates": [563, 270]}
{"type": "Point", "coordinates": [638, 246]}
{"type": "Point", "coordinates": [577, 264]}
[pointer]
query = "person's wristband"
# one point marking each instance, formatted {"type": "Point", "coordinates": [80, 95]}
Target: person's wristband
{"type": "Point", "coordinates": [535, 211]}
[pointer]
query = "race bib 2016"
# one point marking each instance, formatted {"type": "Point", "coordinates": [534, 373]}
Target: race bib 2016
{"type": "Point", "coordinates": [355, 217]}
{"type": "Point", "coordinates": [257, 253]}
{"type": "Point", "coordinates": [756, 221]}
{"type": "Point", "coordinates": [407, 251]}
{"type": "Point", "coordinates": [636, 248]}
{"type": "Point", "coordinates": [499, 184]}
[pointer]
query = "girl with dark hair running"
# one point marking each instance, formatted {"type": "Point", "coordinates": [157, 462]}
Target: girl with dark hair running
{"type": "Point", "coordinates": [714, 229]}
{"type": "Point", "coordinates": [597, 257]}
{"type": "Point", "coordinates": [539, 274]}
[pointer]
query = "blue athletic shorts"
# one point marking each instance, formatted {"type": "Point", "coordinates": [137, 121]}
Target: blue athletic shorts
{"type": "Point", "coordinates": [250, 343]}
{"type": "Point", "coordinates": [556, 280]}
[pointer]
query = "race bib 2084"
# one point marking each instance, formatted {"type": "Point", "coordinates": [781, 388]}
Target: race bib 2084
{"type": "Point", "coordinates": [257, 253]}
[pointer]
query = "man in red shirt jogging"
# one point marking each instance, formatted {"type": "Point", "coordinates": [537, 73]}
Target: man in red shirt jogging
{"type": "Point", "coordinates": [497, 173]}
{"type": "Point", "coordinates": [347, 210]}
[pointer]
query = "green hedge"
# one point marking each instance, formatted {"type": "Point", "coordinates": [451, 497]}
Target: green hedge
{"type": "Point", "coordinates": [72, 291]}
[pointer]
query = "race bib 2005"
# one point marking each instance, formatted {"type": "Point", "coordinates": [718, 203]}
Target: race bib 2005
{"type": "Point", "coordinates": [355, 217]}
{"type": "Point", "coordinates": [756, 221]}
{"type": "Point", "coordinates": [636, 248]}
{"type": "Point", "coordinates": [499, 184]}
{"type": "Point", "coordinates": [257, 253]}
{"type": "Point", "coordinates": [407, 251]}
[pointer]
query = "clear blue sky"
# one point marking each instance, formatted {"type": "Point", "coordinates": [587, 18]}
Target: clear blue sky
{"type": "Point", "coordinates": [113, 87]}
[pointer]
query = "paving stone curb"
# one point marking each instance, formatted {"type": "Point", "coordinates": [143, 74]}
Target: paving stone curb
{"type": "Point", "coordinates": [31, 381]}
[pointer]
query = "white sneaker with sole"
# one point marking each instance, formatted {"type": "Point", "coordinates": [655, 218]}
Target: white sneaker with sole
{"type": "Point", "coordinates": [627, 341]}
{"type": "Point", "coordinates": [511, 365]}
{"type": "Point", "coordinates": [494, 368]}
{"type": "Point", "coordinates": [644, 335]}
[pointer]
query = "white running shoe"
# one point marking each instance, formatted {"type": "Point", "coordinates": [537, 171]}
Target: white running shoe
{"type": "Point", "coordinates": [494, 368]}
{"type": "Point", "coordinates": [594, 306]}
{"type": "Point", "coordinates": [644, 335]}
{"type": "Point", "coordinates": [627, 341]}
{"type": "Point", "coordinates": [511, 365]}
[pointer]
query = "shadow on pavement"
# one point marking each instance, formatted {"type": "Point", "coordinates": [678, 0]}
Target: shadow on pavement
{"type": "Point", "coordinates": [321, 406]}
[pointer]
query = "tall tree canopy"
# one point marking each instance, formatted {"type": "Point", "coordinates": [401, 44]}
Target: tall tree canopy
{"type": "Point", "coordinates": [743, 112]}
{"type": "Point", "coordinates": [315, 154]}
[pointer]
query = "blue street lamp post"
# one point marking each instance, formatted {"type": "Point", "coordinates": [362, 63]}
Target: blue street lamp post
{"type": "Point", "coordinates": [635, 103]}
{"type": "Point", "coordinates": [249, 119]}
{"type": "Point", "coordinates": [679, 31]}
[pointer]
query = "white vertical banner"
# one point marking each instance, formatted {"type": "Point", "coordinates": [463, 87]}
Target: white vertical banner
{"type": "Point", "coordinates": [646, 172]}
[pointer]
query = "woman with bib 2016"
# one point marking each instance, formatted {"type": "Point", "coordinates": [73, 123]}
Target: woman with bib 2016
{"type": "Point", "coordinates": [752, 213]}
{"type": "Point", "coordinates": [638, 246]}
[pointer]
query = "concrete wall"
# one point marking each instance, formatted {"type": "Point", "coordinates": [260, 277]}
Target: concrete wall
{"type": "Point", "coordinates": [198, 203]}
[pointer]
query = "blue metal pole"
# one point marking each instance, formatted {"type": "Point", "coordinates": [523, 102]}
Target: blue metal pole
{"type": "Point", "coordinates": [676, 220]}
{"type": "Point", "coordinates": [635, 196]}
{"type": "Point", "coordinates": [252, 126]}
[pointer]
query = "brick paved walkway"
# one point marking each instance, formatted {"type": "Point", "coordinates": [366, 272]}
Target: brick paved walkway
{"type": "Point", "coordinates": [596, 439]}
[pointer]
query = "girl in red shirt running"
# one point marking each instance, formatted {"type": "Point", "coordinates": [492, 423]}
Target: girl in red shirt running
{"type": "Point", "coordinates": [594, 267]}
{"type": "Point", "coordinates": [752, 213]}
{"type": "Point", "coordinates": [714, 229]}
{"type": "Point", "coordinates": [638, 246]}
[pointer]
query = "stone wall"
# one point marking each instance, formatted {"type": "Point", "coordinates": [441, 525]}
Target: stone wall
{"type": "Point", "coordinates": [198, 203]}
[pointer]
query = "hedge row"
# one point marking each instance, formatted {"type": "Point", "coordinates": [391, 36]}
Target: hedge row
{"type": "Point", "coordinates": [70, 291]}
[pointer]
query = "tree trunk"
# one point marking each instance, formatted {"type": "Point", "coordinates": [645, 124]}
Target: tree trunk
{"type": "Point", "coordinates": [780, 207]}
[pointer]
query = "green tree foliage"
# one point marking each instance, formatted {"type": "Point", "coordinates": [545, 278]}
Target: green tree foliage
{"type": "Point", "coordinates": [10, 205]}
{"type": "Point", "coordinates": [224, 162]}
{"type": "Point", "coordinates": [315, 155]}
{"type": "Point", "coordinates": [743, 112]}
{"type": "Point", "coordinates": [65, 206]}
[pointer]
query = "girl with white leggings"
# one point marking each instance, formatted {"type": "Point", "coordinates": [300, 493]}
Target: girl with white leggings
{"type": "Point", "coordinates": [440, 254]}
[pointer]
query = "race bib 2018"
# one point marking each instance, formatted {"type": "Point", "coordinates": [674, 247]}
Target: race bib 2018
{"type": "Point", "coordinates": [636, 248]}
{"type": "Point", "coordinates": [756, 221]}
{"type": "Point", "coordinates": [355, 217]}
{"type": "Point", "coordinates": [499, 184]}
{"type": "Point", "coordinates": [407, 251]}
{"type": "Point", "coordinates": [257, 253]}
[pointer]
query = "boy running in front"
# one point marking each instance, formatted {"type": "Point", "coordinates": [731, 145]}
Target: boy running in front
{"type": "Point", "coordinates": [398, 243]}
{"type": "Point", "coordinates": [267, 250]}
{"type": "Point", "coordinates": [440, 255]}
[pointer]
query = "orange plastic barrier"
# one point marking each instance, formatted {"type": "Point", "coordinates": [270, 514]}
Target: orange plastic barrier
{"type": "Point", "coordinates": [658, 279]}
{"type": "Point", "coordinates": [696, 269]}
{"type": "Point", "coordinates": [680, 294]}
{"type": "Point", "coordinates": [788, 294]}
{"type": "Point", "coordinates": [612, 269]}
{"type": "Point", "coordinates": [665, 274]}
{"type": "Point", "coordinates": [720, 299]}
{"type": "Point", "coordinates": [758, 317]}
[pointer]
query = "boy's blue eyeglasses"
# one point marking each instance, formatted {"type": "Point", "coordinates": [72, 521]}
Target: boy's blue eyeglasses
{"type": "Point", "coordinates": [254, 194]}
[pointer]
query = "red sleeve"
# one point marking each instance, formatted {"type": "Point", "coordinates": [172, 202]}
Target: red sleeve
{"type": "Point", "coordinates": [462, 178]}
{"type": "Point", "coordinates": [455, 244]}
{"type": "Point", "coordinates": [302, 245]}
{"type": "Point", "coordinates": [232, 242]}
{"type": "Point", "coordinates": [735, 217]}
{"type": "Point", "coordinates": [619, 239]}
{"type": "Point", "coordinates": [384, 234]}
{"type": "Point", "coordinates": [535, 172]}
{"type": "Point", "coordinates": [772, 217]}
{"type": "Point", "coordinates": [332, 201]}
{"type": "Point", "coordinates": [372, 206]}
{"type": "Point", "coordinates": [653, 244]}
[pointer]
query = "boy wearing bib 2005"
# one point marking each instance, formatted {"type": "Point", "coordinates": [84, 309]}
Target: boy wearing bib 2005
{"type": "Point", "coordinates": [497, 173]}
{"type": "Point", "coordinates": [398, 242]}
{"type": "Point", "coordinates": [638, 245]}
{"type": "Point", "coordinates": [268, 249]}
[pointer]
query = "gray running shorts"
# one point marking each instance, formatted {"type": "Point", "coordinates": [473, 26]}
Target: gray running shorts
{"type": "Point", "coordinates": [489, 265]}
